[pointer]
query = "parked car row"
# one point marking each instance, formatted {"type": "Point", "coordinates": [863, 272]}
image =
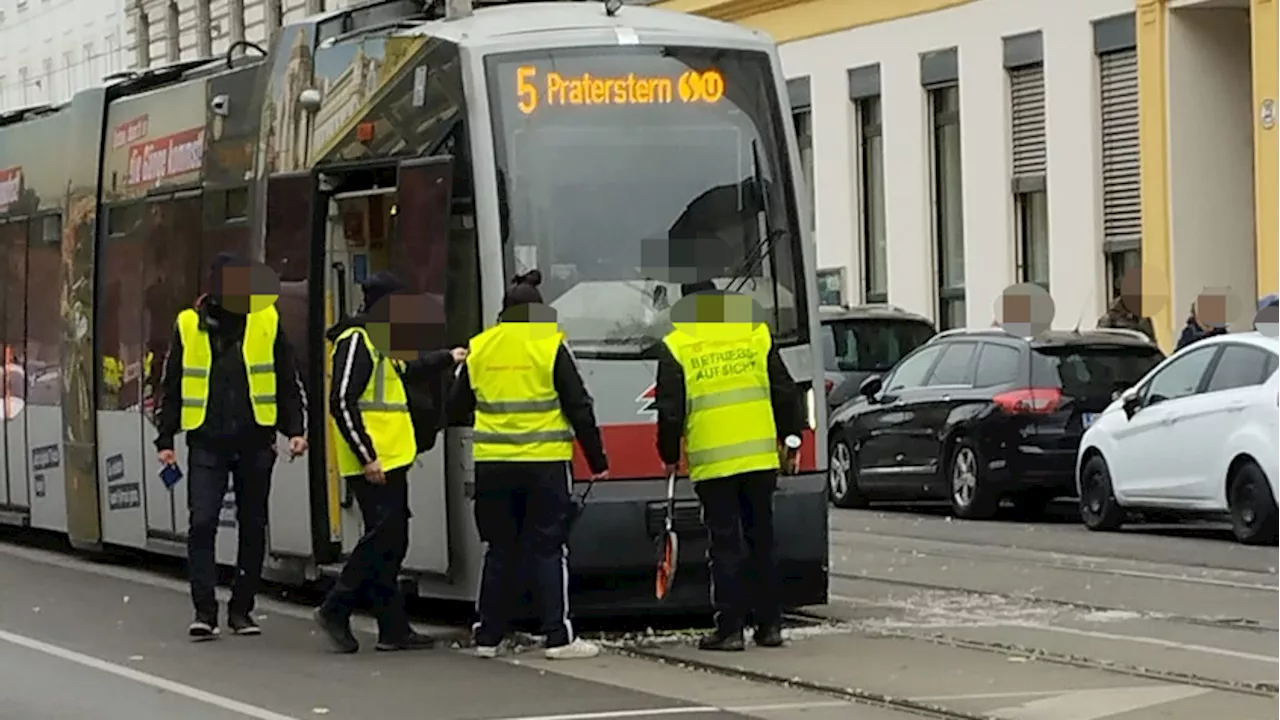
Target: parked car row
{"type": "Point", "coordinates": [977, 416]}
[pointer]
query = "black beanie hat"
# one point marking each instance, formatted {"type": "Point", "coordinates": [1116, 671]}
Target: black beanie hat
{"type": "Point", "coordinates": [523, 290]}
{"type": "Point", "coordinates": [378, 286]}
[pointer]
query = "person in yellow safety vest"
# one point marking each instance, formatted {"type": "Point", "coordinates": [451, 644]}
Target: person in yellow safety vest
{"type": "Point", "coordinates": [230, 382]}
{"type": "Point", "coordinates": [723, 388]}
{"type": "Point", "coordinates": [528, 400]}
{"type": "Point", "coordinates": [369, 407]}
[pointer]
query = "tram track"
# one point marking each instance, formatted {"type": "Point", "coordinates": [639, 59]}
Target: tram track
{"type": "Point", "coordinates": [859, 696]}
{"type": "Point", "coordinates": [1219, 623]}
{"type": "Point", "coordinates": [1089, 566]}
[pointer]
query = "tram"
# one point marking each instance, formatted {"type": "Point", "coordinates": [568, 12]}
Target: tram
{"type": "Point", "coordinates": [619, 150]}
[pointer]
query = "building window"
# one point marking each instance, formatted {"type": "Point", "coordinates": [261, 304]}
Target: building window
{"type": "Point", "coordinates": [47, 82]}
{"type": "Point", "coordinates": [112, 49]}
{"type": "Point", "coordinates": [1032, 208]}
{"type": "Point", "coordinates": [831, 287]}
{"type": "Point", "coordinates": [948, 205]}
{"type": "Point", "coordinates": [68, 73]}
{"type": "Point", "coordinates": [875, 249]}
{"type": "Point", "coordinates": [24, 84]}
{"type": "Point", "coordinates": [88, 64]}
{"type": "Point", "coordinates": [1121, 168]}
{"type": "Point", "coordinates": [803, 119]}
{"type": "Point", "coordinates": [1030, 173]}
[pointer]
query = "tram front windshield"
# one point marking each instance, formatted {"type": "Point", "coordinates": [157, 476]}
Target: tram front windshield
{"type": "Point", "coordinates": [627, 174]}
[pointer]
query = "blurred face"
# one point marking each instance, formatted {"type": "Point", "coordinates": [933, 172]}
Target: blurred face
{"type": "Point", "coordinates": [405, 326]}
{"type": "Point", "coordinates": [1211, 310]}
{"type": "Point", "coordinates": [248, 288]}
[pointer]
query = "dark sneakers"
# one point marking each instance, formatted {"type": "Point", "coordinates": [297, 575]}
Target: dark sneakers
{"type": "Point", "coordinates": [411, 641]}
{"type": "Point", "coordinates": [203, 628]}
{"type": "Point", "coordinates": [243, 624]}
{"type": "Point", "coordinates": [769, 636]}
{"type": "Point", "coordinates": [337, 630]}
{"type": "Point", "coordinates": [723, 642]}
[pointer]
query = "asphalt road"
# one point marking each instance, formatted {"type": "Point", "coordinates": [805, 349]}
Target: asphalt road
{"type": "Point", "coordinates": [1008, 620]}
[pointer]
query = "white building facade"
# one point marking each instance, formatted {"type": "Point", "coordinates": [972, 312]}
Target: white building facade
{"type": "Point", "coordinates": [49, 49]}
{"type": "Point", "coordinates": [971, 148]}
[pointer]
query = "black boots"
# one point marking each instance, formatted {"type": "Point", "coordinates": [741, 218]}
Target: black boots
{"type": "Point", "coordinates": [337, 629]}
{"type": "Point", "coordinates": [769, 636]}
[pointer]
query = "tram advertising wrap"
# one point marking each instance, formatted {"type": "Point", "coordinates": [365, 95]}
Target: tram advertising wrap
{"type": "Point", "coordinates": [624, 172]}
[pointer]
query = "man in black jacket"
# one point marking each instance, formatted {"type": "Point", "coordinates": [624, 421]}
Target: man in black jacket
{"type": "Point", "coordinates": [736, 507]}
{"type": "Point", "coordinates": [523, 443]}
{"type": "Point", "coordinates": [386, 454]}
{"type": "Point", "coordinates": [230, 382]}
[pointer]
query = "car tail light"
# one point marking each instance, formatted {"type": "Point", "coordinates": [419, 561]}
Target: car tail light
{"type": "Point", "coordinates": [830, 384]}
{"type": "Point", "coordinates": [1029, 401]}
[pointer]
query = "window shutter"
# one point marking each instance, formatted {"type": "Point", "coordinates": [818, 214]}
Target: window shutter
{"type": "Point", "coordinates": [1030, 154]}
{"type": "Point", "coordinates": [1121, 171]}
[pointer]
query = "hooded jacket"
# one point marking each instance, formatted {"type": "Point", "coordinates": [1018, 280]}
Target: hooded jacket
{"type": "Point", "coordinates": [1192, 332]}
{"type": "Point", "coordinates": [352, 370]}
{"type": "Point", "coordinates": [229, 420]}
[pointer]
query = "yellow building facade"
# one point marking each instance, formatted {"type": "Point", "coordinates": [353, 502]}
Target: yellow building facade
{"type": "Point", "coordinates": [1207, 93]}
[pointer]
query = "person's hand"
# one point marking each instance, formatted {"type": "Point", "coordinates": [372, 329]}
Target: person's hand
{"type": "Point", "coordinates": [602, 475]}
{"type": "Point", "coordinates": [670, 469]}
{"type": "Point", "coordinates": [459, 354]}
{"type": "Point", "coordinates": [792, 461]}
{"type": "Point", "coordinates": [297, 445]}
{"type": "Point", "coordinates": [374, 474]}
{"type": "Point", "coordinates": [167, 457]}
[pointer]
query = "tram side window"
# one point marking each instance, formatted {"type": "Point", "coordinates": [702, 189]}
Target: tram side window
{"type": "Point", "coordinates": [12, 334]}
{"type": "Point", "coordinates": [43, 327]}
{"type": "Point", "coordinates": [462, 291]}
{"type": "Point", "coordinates": [119, 316]}
{"type": "Point", "coordinates": [423, 229]}
{"type": "Point", "coordinates": [226, 223]}
{"type": "Point", "coordinates": [173, 267]}
{"type": "Point", "coordinates": [287, 244]}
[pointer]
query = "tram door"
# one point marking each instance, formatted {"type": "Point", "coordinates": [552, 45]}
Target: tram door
{"type": "Point", "coordinates": [379, 230]}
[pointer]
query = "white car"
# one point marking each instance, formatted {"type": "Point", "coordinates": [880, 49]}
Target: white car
{"type": "Point", "coordinates": [1199, 434]}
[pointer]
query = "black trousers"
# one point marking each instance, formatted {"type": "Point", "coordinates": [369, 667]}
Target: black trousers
{"type": "Point", "coordinates": [738, 514]}
{"type": "Point", "coordinates": [250, 472]}
{"type": "Point", "coordinates": [372, 572]}
{"type": "Point", "coordinates": [522, 512]}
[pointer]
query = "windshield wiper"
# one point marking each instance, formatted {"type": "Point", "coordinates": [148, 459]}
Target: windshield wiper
{"type": "Point", "coordinates": [755, 259]}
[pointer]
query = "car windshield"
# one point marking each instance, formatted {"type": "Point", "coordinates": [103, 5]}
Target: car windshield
{"type": "Point", "coordinates": [1092, 370]}
{"type": "Point", "coordinates": [627, 172]}
{"type": "Point", "coordinates": [870, 345]}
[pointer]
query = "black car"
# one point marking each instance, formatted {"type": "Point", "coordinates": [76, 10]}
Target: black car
{"type": "Point", "coordinates": [975, 416]}
{"type": "Point", "coordinates": [865, 340]}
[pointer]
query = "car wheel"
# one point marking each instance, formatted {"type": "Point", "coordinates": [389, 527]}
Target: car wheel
{"type": "Point", "coordinates": [1098, 507]}
{"type": "Point", "coordinates": [1253, 509]}
{"type": "Point", "coordinates": [842, 477]}
{"type": "Point", "coordinates": [972, 497]}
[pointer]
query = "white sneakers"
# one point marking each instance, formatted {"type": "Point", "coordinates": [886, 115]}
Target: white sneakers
{"type": "Point", "coordinates": [579, 649]}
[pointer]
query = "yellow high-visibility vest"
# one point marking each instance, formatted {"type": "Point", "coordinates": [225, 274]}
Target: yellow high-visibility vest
{"type": "Point", "coordinates": [112, 373]}
{"type": "Point", "coordinates": [518, 415]}
{"type": "Point", "coordinates": [384, 407]}
{"type": "Point", "coordinates": [729, 424]}
{"type": "Point", "coordinates": [260, 330]}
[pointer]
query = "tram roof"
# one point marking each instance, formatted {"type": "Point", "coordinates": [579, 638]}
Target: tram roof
{"type": "Point", "coordinates": [502, 22]}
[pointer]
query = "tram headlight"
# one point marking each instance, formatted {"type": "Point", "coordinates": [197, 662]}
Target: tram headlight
{"type": "Point", "coordinates": [811, 409]}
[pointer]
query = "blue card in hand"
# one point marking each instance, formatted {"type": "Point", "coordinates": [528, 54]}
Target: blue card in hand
{"type": "Point", "coordinates": [170, 475]}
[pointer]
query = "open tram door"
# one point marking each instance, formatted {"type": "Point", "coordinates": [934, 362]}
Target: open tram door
{"type": "Point", "coordinates": [405, 230]}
